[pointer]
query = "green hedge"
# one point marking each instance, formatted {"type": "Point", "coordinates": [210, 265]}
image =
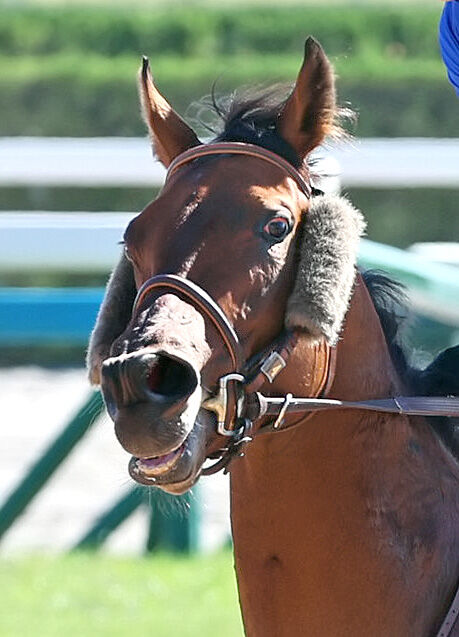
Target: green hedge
{"type": "Point", "coordinates": [403, 216]}
{"type": "Point", "coordinates": [400, 30]}
{"type": "Point", "coordinates": [60, 96]}
{"type": "Point", "coordinates": [71, 71]}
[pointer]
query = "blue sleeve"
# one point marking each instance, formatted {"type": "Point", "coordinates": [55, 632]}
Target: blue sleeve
{"type": "Point", "coordinates": [449, 41]}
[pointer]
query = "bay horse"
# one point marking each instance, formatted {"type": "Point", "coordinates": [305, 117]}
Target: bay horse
{"type": "Point", "coordinates": [238, 285]}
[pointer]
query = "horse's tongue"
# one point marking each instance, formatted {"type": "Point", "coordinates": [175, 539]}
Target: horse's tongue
{"type": "Point", "coordinates": [157, 461]}
{"type": "Point", "coordinates": [160, 464]}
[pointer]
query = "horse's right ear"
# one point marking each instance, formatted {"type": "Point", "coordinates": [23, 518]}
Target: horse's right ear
{"type": "Point", "coordinates": [310, 113]}
{"type": "Point", "coordinates": [170, 135]}
{"type": "Point", "coordinates": [114, 315]}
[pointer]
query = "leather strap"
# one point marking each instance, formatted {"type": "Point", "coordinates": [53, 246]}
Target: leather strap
{"type": "Point", "coordinates": [206, 305]}
{"type": "Point", "coordinates": [451, 618]}
{"type": "Point", "coordinates": [240, 148]}
{"type": "Point", "coordinates": [258, 370]}
{"type": "Point", "coordinates": [260, 405]}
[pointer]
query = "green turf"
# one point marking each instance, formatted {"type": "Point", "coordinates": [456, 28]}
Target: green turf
{"type": "Point", "coordinates": [85, 595]}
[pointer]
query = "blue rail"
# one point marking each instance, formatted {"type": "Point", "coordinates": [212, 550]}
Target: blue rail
{"type": "Point", "coordinates": [67, 315]}
{"type": "Point", "coordinates": [48, 315]}
{"type": "Point", "coordinates": [433, 286]}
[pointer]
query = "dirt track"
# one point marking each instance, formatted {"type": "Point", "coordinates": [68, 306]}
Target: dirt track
{"type": "Point", "coordinates": [36, 403]}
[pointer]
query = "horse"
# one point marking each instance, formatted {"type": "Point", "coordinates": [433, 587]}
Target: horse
{"type": "Point", "coordinates": [235, 316]}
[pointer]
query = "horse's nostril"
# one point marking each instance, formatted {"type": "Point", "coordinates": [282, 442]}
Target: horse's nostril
{"type": "Point", "coordinates": [170, 377]}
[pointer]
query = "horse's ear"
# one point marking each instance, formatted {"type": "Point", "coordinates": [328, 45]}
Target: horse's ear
{"type": "Point", "coordinates": [309, 113]}
{"type": "Point", "coordinates": [170, 135]}
{"type": "Point", "coordinates": [114, 315]}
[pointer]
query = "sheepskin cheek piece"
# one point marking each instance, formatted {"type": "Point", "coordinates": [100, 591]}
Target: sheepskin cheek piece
{"type": "Point", "coordinates": [326, 269]}
{"type": "Point", "coordinates": [114, 315]}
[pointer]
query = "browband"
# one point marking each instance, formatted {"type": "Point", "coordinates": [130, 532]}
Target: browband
{"type": "Point", "coordinates": [240, 148]}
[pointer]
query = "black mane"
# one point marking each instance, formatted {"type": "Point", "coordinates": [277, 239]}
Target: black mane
{"type": "Point", "coordinates": [391, 302]}
{"type": "Point", "coordinates": [249, 116]}
{"type": "Point", "coordinates": [440, 378]}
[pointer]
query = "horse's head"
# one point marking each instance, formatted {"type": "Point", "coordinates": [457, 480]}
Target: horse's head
{"type": "Point", "coordinates": [232, 224]}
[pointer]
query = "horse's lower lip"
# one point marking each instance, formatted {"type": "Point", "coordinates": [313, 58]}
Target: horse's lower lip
{"type": "Point", "coordinates": [179, 472]}
{"type": "Point", "coordinates": [159, 465]}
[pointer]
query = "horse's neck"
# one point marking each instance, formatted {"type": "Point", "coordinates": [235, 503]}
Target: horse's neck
{"type": "Point", "coordinates": [337, 523]}
{"type": "Point", "coordinates": [363, 365]}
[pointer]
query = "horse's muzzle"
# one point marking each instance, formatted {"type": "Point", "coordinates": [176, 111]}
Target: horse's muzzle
{"type": "Point", "coordinates": [153, 398]}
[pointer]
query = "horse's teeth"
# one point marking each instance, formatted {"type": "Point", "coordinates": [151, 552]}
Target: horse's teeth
{"type": "Point", "coordinates": [160, 464]}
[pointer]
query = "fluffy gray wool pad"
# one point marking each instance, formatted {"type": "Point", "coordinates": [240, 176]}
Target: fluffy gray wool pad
{"type": "Point", "coordinates": [113, 317]}
{"type": "Point", "coordinates": [327, 267]}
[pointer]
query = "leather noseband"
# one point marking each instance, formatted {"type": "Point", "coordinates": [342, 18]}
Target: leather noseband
{"type": "Point", "coordinates": [206, 305]}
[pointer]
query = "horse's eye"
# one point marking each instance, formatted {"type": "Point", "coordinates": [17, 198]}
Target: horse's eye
{"type": "Point", "coordinates": [127, 254]}
{"type": "Point", "coordinates": [277, 228]}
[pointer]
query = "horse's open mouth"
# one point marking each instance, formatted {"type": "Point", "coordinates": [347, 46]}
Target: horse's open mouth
{"type": "Point", "coordinates": [176, 471]}
{"type": "Point", "coordinates": [152, 468]}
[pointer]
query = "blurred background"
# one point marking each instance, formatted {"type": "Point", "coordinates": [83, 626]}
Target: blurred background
{"type": "Point", "coordinates": [81, 549]}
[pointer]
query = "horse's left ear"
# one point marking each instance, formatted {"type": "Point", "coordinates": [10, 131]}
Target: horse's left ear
{"type": "Point", "coordinates": [309, 113]}
{"type": "Point", "coordinates": [170, 134]}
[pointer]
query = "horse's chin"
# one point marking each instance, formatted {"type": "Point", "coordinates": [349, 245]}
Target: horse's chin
{"type": "Point", "coordinates": [177, 471]}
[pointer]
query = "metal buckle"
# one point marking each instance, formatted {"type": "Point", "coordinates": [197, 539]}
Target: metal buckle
{"type": "Point", "coordinates": [272, 366]}
{"type": "Point", "coordinates": [280, 417]}
{"type": "Point", "coordinates": [219, 403]}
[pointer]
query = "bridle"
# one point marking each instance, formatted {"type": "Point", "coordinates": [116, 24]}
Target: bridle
{"type": "Point", "coordinates": [238, 404]}
{"type": "Point", "coordinates": [241, 148]}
